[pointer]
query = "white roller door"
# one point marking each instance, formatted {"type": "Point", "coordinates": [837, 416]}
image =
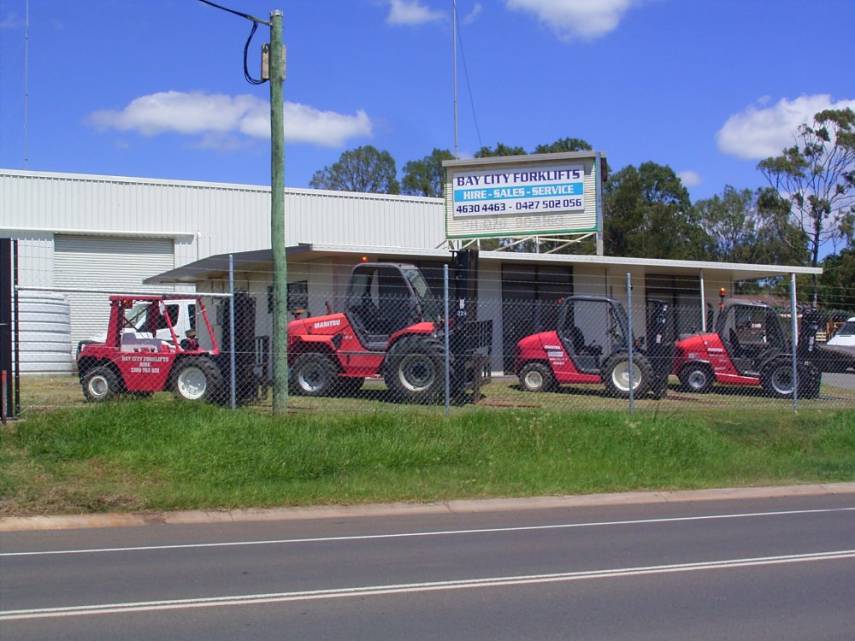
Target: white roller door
{"type": "Point", "coordinates": [117, 264]}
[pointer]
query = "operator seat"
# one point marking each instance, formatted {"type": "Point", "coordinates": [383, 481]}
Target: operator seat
{"type": "Point", "coordinates": [577, 339]}
{"type": "Point", "coordinates": [735, 345]}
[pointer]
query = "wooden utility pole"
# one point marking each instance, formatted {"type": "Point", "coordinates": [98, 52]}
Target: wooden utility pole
{"type": "Point", "coordinates": [277, 216]}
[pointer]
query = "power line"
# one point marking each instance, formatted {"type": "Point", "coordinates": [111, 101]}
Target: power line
{"type": "Point", "coordinates": [255, 22]}
{"type": "Point", "coordinates": [468, 84]}
{"type": "Point", "coordinates": [235, 12]}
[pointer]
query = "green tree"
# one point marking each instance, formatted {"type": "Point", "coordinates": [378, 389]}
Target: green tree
{"type": "Point", "coordinates": [563, 144]}
{"type": "Point", "coordinates": [364, 169]}
{"type": "Point", "coordinates": [426, 177]}
{"type": "Point", "coordinates": [816, 176]}
{"type": "Point", "coordinates": [500, 149]}
{"type": "Point", "coordinates": [744, 226]}
{"type": "Point", "coordinates": [837, 283]}
{"type": "Point", "coordinates": [648, 213]}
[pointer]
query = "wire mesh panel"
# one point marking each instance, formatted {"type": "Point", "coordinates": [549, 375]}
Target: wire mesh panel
{"type": "Point", "coordinates": [367, 336]}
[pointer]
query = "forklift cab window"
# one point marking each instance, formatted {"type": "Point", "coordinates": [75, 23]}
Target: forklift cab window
{"type": "Point", "coordinates": [592, 328]}
{"type": "Point", "coordinates": [160, 319]}
{"type": "Point", "coordinates": [773, 330]}
{"type": "Point", "coordinates": [750, 325]}
{"type": "Point", "coordinates": [136, 316]}
{"type": "Point", "coordinates": [429, 304]}
{"type": "Point", "coordinates": [397, 306]}
{"type": "Point", "coordinates": [380, 300]}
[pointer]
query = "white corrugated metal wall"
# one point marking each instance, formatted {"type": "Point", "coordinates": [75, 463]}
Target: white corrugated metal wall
{"type": "Point", "coordinates": [101, 262]}
{"type": "Point", "coordinates": [97, 232]}
{"type": "Point", "coordinates": [203, 218]}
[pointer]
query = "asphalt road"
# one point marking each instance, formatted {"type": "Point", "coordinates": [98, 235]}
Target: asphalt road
{"type": "Point", "coordinates": [843, 381]}
{"type": "Point", "coordinates": [771, 569]}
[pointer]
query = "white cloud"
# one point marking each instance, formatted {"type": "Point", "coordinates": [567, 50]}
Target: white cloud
{"type": "Point", "coordinates": [220, 118]}
{"type": "Point", "coordinates": [576, 19]}
{"type": "Point", "coordinates": [689, 178]}
{"type": "Point", "coordinates": [474, 14]}
{"type": "Point", "coordinates": [761, 131]}
{"type": "Point", "coordinates": [411, 12]}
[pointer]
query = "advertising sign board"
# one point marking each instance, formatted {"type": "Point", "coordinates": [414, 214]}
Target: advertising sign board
{"type": "Point", "coordinates": [543, 194]}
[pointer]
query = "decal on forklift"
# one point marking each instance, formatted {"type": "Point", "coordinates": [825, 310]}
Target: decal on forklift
{"type": "Point", "coordinates": [144, 364]}
{"type": "Point", "coordinates": [327, 323]}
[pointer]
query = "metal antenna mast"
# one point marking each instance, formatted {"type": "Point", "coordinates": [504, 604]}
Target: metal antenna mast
{"type": "Point", "coordinates": [454, 72]}
{"type": "Point", "coordinates": [26, 83]}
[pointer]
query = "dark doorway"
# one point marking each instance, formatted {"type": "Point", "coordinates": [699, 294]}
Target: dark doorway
{"type": "Point", "coordinates": [6, 323]}
{"type": "Point", "coordinates": [531, 302]}
{"type": "Point", "coordinates": [683, 293]}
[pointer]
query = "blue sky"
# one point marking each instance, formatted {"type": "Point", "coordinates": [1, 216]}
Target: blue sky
{"type": "Point", "coordinates": [155, 88]}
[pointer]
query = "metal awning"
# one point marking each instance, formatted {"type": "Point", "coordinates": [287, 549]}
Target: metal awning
{"type": "Point", "coordinates": [214, 267]}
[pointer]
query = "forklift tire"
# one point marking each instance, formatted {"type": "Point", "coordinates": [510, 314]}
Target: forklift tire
{"type": "Point", "coordinates": [313, 374]}
{"type": "Point", "coordinates": [414, 369]}
{"type": "Point", "coordinates": [810, 381]}
{"type": "Point", "coordinates": [197, 379]}
{"type": "Point", "coordinates": [615, 375]}
{"type": "Point", "coordinates": [696, 378]}
{"type": "Point", "coordinates": [100, 384]}
{"type": "Point", "coordinates": [537, 377]}
{"type": "Point", "coordinates": [777, 378]}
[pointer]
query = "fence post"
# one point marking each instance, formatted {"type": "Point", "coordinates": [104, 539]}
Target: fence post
{"type": "Point", "coordinates": [446, 329]}
{"type": "Point", "coordinates": [16, 336]}
{"type": "Point", "coordinates": [232, 356]}
{"type": "Point", "coordinates": [794, 342]}
{"type": "Point", "coordinates": [629, 341]}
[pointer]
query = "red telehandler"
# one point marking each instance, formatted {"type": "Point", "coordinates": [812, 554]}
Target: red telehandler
{"type": "Point", "coordinates": [391, 327]}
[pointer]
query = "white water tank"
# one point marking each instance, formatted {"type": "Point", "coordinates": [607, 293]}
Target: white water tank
{"type": "Point", "coordinates": [45, 334]}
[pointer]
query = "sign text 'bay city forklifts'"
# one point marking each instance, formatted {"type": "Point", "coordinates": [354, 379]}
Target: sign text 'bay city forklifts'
{"type": "Point", "coordinates": [545, 190]}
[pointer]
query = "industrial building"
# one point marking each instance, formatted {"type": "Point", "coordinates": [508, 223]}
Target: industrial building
{"type": "Point", "coordinates": [81, 231]}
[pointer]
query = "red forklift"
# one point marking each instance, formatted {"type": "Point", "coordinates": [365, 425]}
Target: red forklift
{"type": "Point", "coordinates": [590, 346]}
{"type": "Point", "coordinates": [135, 360]}
{"type": "Point", "coordinates": [392, 328]}
{"type": "Point", "coordinates": [750, 348]}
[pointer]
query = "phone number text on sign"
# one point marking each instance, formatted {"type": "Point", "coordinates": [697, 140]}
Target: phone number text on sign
{"type": "Point", "coordinates": [543, 190]}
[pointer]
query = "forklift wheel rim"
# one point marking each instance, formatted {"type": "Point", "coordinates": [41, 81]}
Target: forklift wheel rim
{"type": "Point", "coordinates": [416, 372]}
{"type": "Point", "coordinates": [192, 383]}
{"type": "Point", "coordinates": [782, 380]}
{"type": "Point", "coordinates": [533, 379]}
{"type": "Point", "coordinates": [620, 376]}
{"type": "Point", "coordinates": [311, 377]}
{"type": "Point", "coordinates": [697, 379]}
{"type": "Point", "coordinates": [98, 385]}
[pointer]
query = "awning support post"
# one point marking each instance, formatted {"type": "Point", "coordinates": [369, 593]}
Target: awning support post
{"type": "Point", "coordinates": [232, 355]}
{"type": "Point", "coordinates": [629, 340]}
{"type": "Point", "coordinates": [703, 305]}
{"type": "Point", "coordinates": [794, 342]}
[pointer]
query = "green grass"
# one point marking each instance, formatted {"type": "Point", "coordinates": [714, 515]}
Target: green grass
{"type": "Point", "coordinates": [54, 392]}
{"type": "Point", "coordinates": [161, 454]}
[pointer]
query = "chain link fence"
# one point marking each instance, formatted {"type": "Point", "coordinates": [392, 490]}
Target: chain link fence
{"type": "Point", "coordinates": [401, 337]}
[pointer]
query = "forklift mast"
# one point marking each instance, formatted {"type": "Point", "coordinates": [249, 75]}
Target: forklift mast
{"type": "Point", "coordinates": [464, 267]}
{"type": "Point", "coordinates": [470, 340]}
